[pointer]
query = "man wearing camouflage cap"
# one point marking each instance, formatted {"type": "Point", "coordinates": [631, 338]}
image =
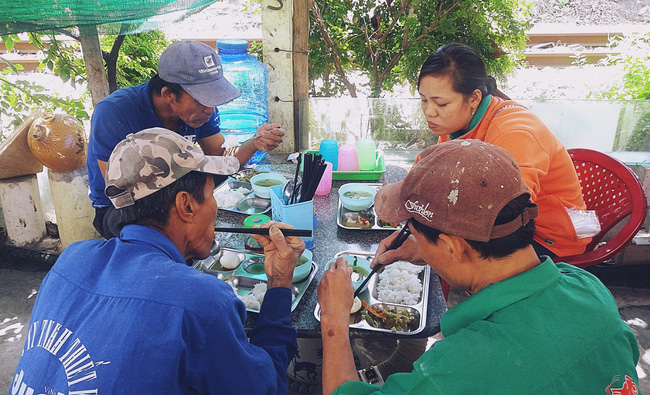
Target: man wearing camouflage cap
{"type": "Point", "coordinates": [128, 315]}
{"type": "Point", "coordinates": [528, 326]}
{"type": "Point", "coordinates": [182, 97]}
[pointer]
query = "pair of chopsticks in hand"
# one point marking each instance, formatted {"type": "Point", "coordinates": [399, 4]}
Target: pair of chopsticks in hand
{"type": "Point", "coordinates": [395, 244]}
{"type": "Point", "coordinates": [265, 231]}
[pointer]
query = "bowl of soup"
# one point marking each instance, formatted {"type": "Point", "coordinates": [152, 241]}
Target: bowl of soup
{"type": "Point", "coordinates": [262, 183]}
{"type": "Point", "coordinates": [303, 267]}
{"type": "Point", "coordinates": [355, 197]}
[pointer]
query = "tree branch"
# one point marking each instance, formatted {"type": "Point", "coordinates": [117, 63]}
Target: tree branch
{"type": "Point", "coordinates": [330, 43]}
{"type": "Point", "coordinates": [111, 62]}
{"type": "Point", "coordinates": [427, 30]}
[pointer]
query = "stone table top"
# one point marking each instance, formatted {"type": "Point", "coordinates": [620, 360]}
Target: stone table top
{"type": "Point", "coordinates": [329, 239]}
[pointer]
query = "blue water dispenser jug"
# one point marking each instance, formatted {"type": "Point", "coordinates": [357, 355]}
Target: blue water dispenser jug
{"type": "Point", "coordinates": [242, 116]}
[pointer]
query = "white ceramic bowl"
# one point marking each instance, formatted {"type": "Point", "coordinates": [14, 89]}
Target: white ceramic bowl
{"type": "Point", "coordinates": [262, 183]}
{"type": "Point", "coordinates": [357, 203]}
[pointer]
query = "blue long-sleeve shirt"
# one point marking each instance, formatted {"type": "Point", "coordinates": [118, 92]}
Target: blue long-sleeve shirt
{"type": "Point", "coordinates": [127, 315]}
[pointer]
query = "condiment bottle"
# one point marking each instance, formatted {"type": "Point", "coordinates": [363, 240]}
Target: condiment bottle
{"type": "Point", "coordinates": [250, 243]}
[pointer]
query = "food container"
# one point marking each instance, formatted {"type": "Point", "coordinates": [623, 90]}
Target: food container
{"type": "Point", "coordinates": [250, 243]}
{"type": "Point", "coordinates": [245, 281]}
{"type": "Point", "coordinates": [363, 219]}
{"type": "Point", "coordinates": [212, 264]}
{"type": "Point", "coordinates": [418, 310]}
{"type": "Point", "coordinates": [262, 183]}
{"type": "Point", "coordinates": [303, 267]}
{"type": "Point", "coordinates": [361, 269]}
{"type": "Point", "coordinates": [356, 197]}
{"type": "Point", "coordinates": [250, 204]}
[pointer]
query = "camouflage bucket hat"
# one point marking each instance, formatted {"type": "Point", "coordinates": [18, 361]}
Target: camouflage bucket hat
{"type": "Point", "coordinates": [152, 159]}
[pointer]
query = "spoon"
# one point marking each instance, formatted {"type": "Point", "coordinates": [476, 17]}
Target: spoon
{"type": "Point", "coordinates": [288, 191]}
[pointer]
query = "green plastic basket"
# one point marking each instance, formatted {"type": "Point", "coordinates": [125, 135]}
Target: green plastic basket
{"type": "Point", "coordinates": [369, 175]}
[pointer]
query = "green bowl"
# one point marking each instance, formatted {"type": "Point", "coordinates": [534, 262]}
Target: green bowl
{"type": "Point", "coordinates": [264, 190]}
{"type": "Point", "coordinates": [303, 267]}
{"type": "Point", "coordinates": [364, 196]}
{"type": "Point", "coordinates": [361, 269]}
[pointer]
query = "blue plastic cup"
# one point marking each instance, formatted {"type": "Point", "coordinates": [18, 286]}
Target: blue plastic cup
{"type": "Point", "coordinates": [329, 149]}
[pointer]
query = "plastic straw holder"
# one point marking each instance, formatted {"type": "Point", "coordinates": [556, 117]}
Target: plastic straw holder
{"type": "Point", "coordinates": [299, 215]}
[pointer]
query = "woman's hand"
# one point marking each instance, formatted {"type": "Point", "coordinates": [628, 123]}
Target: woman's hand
{"type": "Point", "coordinates": [408, 251]}
{"type": "Point", "coordinates": [280, 254]}
{"type": "Point", "coordinates": [335, 292]}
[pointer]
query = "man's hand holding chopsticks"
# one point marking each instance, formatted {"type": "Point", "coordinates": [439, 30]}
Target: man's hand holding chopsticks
{"type": "Point", "coordinates": [280, 254]}
{"type": "Point", "coordinates": [408, 251]}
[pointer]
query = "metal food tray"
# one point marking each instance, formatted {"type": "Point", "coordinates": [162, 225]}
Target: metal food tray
{"type": "Point", "coordinates": [373, 226]}
{"type": "Point", "coordinates": [250, 205]}
{"type": "Point", "coordinates": [248, 280]}
{"type": "Point", "coordinates": [370, 296]}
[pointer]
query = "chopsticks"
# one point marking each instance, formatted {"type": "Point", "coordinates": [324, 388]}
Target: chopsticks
{"type": "Point", "coordinates": [265, 231]}
{"type": "Point", "coordinates": [292, 198]}
{"type": "Point", "coordinates": [313, 168]}
{"type": "Point", "coordinates": [395, 244]}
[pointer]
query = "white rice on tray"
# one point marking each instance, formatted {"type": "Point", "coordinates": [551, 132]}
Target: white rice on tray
{"type": "Point", "coordinates": [399, 283]}
{"type": "Point", "coordinates": [230, 197]}
{"type": "Point", "coordinates": [254, 299]}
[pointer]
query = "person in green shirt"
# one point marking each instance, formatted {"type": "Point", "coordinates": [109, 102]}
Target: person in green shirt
{"type": "Point", "coordinates": [529, 326]}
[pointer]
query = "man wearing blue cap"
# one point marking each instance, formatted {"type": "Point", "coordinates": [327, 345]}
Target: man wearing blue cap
{"type": "Point", "coordinates": [182, 97]}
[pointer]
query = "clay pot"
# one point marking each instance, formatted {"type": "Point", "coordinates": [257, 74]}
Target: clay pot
{"type": "Point", "coordinates": [58, 141]}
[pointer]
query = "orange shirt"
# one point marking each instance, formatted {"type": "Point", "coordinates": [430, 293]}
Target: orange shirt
{"type": "Point", "coordinates": [546, 169]}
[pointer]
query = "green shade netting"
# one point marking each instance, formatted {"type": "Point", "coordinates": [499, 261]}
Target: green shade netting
{"type": "Point", "coordinates": [109, 16]}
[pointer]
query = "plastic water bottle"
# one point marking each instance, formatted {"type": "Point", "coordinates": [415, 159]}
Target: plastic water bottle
{"type": "Point", "coordinates": [242, 116]}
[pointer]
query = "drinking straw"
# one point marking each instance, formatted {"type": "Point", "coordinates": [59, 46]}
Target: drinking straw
{"type": "Point", "coordinates": [397, 242]}
{"type": "Point", "coordinates": [265, 231]}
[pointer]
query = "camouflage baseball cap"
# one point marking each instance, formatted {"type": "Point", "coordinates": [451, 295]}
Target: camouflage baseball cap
{"type": "Point", "coordinates": [151, 159]}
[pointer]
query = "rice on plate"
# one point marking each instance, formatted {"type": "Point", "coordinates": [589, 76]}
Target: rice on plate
{"type": "Point", "coordinates": [400, 283]}
{"type": "Point", "coordinates": [255, 298]}
{"type": "Point", "coordinates": [230, 197]}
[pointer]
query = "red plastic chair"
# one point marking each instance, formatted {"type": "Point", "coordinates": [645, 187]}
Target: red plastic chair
{"type": "Point", "coordinates": [614, 191]}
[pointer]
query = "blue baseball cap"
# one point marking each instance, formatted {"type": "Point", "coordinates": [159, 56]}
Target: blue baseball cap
{"type": "Point", "coordinates": [196, 67]}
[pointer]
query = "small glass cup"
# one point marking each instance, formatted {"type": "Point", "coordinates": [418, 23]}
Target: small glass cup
{"type": "Point", "coordinates": [366, 152]}
{"type": "Point", "coordinates": [329, 149]}
{"type": "Point", "coordinates": [325, 184]}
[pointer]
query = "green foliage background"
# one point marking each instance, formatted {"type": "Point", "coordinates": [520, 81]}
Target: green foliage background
{"type": "Point", "coordinates": [389, 40]}
{"type": "Point", "coordinates": [137, 63]}
{"type": "Point", "coordinates": [634, 126]}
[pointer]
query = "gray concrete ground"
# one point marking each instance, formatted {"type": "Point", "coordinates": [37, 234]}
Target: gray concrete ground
{"type": "Point", "coordinates": [630, 285]}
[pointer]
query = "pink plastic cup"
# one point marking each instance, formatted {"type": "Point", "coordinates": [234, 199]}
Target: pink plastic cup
{"type": "Point", "coordinates": [325, 184]}
{"type": "Point", "coordinates": [348, 158]}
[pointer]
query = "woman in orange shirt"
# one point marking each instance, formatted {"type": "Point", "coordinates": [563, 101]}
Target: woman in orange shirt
{"type": "Point", "coordinates": [460, 101]}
